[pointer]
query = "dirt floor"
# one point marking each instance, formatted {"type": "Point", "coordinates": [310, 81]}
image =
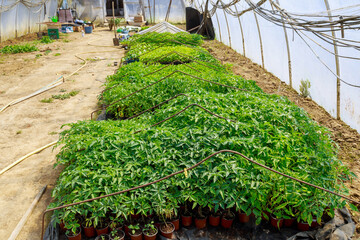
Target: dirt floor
{"type": "Point", "coordinates": [347, 138]}
{"type": "Point", "coordinates": [32, 124]}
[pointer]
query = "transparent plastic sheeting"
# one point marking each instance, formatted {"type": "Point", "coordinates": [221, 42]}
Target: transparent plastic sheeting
{"type": "Point", "coordinates": [90, 10]}
{"type": "Point", "coordinates": [18, 18]}
{"type": "Point", "coordinates": [146, 7]}
{"type": "Point", "coordinates": [304, 63]}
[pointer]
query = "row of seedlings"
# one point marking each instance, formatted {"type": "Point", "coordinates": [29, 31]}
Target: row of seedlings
{"type": "Point", "coordinates": [175, 112]}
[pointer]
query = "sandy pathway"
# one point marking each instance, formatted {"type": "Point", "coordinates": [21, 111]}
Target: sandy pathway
{"type": "Point", "coordinates": [32, 124]}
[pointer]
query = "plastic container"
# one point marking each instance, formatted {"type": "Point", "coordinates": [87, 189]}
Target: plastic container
{"type": "Point", "coordinates": [53, 33]}
{"type": "Point", "coordinates": [88, 29]}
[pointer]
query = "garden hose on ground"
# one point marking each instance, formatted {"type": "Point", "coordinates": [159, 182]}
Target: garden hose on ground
{"type": "Point", "coordinates": [186, 170]}
{"type": "Point", "coordinates": [56, 83]}
{"type": "Point", "coordinates": [26, 156]}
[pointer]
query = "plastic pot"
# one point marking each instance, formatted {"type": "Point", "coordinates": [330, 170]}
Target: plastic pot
{"type": "Point", "coordinates": [138, 235]}
{"type": "Point", "coordinates": [226, 223]}
{"type": "Point", "coordinates": [314, 223]}
{"type": "Point", "coordinates": [214, 220]}
{"type": "Point", "coordinates": [176, 223]}
{"type": "Point", "coordinates": [89, 231]}
{"type": "Point", "coordinates": [76, 237]}
{"type": "Point", "coordinates": [150, 237]}
{"type": "Point", "coordinates": [119, 233]}
{"type": "Point", "coordinates": [104, 230]}
{"type": "Point", "coordinates": [126, 230]}
{"type": "Point", "coordinates": [301, 226]}
{"type": "Point", "coordinates": [200, 223]}
{"type": "Point", "coordinates": [105, 236]}
{"type": "Point", "coordinates": [276, 223]}
{"type": "Point", "coordinates": [289, 222]}
{"type": "Point", "coordinates": [186, 221]}
{"type": "Point", "coordinates": [243, 218]}
{"type": "Point", "coordinates": [168, 233]}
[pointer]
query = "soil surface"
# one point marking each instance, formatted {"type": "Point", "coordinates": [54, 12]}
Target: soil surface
{"type": "Point", "coordinates": [347, 138]}
{"type": "Point", "coordinates": [32, 124]}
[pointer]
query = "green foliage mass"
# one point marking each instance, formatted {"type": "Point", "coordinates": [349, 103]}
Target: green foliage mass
{"type": "Point", "coordinates": [12, 49]}
{"type": "Point", "coordinates": [102, 157]}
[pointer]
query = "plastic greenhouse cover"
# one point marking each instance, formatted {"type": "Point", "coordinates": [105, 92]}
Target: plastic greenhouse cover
{"type": "Point", "coordinates": [146, 7]}
{"type": "Point", "coordinates": [90, 10]}
{"type": "Point", "coordinates": [20, 18]}
{"type": "Point", "coordinates": [305, 65]}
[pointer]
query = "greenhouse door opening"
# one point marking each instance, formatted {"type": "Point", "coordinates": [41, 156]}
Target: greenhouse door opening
{"type": "Point", "coordinates": [118, 8]}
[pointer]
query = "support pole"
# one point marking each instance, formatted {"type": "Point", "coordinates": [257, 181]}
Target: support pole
{"type": "Point", "coordinates": [217, 19]}
{"type": "Point", "coordinates": [227, 25]}
{"type": "Point", "coordinates": [261, 45]}
{"type": "Point", "coordinates": [241, 30]}
{"type": "Point", "coordinates": [288, 51]}
{"type": "Point", "coordinates": [23, 220]}
{"type": "Point", "coordinates": [336, 52]}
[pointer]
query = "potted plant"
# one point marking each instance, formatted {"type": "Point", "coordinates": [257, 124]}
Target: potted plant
{"type": "Point", "coordinates": [167, 229]}
{"type": "Point", "coordinates": [214, 218]}
{"type": "Point", "coordinates": [186, 218]}
{"type": "Point", "coordinates": [150, 231]}
{"type": "Point", "coordinates": [135, 232]}
{"type": "Point", "coordinates": [116, 223]}
{"type": "Point", "coordinates": [117, 234]}
{"type": "Point", "coordinates": [89, 229]}
{"type": "Point", "coordinates": [101, 225]}
{"type": "Point", "coordinates": [103, 237]}
{"type": "Point", "coordinates": [73, 231]}
{"type": "Point", "coordinates": [227, 219]}
{"type": "Point", "coordinates": [200, 220]}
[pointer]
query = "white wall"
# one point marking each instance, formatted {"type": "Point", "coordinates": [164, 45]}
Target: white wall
{"type": "Point", "coordinates": [304, 63]}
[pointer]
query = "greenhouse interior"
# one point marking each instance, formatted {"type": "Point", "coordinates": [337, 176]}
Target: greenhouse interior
{"type": "Point", "coordinates": [174, 119]}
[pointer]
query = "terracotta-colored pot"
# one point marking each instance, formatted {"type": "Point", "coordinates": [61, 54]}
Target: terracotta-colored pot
{"type": "Point", "coordinates": [104, 230]}
{"type": "Point", "coordinates": [243, 218]}
{"type": "Point", "coordinates": [89, 231]}
{"type": "Point", "coordinates": [112, 229]}
{"type": "Point", "coordinates": [157, 224]}
{"type": "Point", "coordinates": [167, 234]}
{"type": "Point", "coordinates": [226, 223]}
{"type": "Point", "coordinates": [276, 223]}
{"type": "Point", "coordinates": [150, 237]}
{"type": "Point", "coordinates": [289, 222]}
{"type": "Point", "coordinates": [303, 226]}
{"type": "Point", "coordinates": [126, 230]}
{"type": "Point", "coordinates": [62, 226]}
{"type": "Point", "coordinates": [76, 237]}
{"type": "Point", "coordinates": [214, 220]}
{"type": "Point", "coordinates": [176, 223]}
{"type": "Point", "coordinates": [186, 221]}
{"type": "Point", "coordinates": [135, 216]}
{"type": "Point", "coordinates": [136, 236]}
{"type": "Point", "coordinates": [314, 223]}
{"type": "Point", "coordinates": [200, 223]}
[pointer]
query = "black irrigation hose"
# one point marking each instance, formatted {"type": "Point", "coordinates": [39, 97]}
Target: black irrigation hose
{"type": "Point", "coordinates": [158, 81]}
{"type": "Point", "coordinates": [185, 170]}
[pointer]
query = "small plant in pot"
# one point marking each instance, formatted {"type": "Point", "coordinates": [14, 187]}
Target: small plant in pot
{"type": "Point", "coordinates": [227, 219]}
{"type": "Point", "coordinates": [172, 216]}
{"type": "Point", "coordinates": [117, 234]}
{"type": "Point", "coordinates": [103, 237]}
{"type": "Point", "coordinates": [150, 231]}
{"type": "Point", "coordinates": [101, 225]}
{"type": "Point", "coordinates": [200, 220]}
{"type": "Point", "coordinates": [186, 217]}
{"type": "Point", "coordinates": [214, 218]}
{"type": "Point", "coordinates": [116, 223]}
{"type": "Point", "coordinates": [89, 229]}
{"type": "Point", "coordinates": [73, 231]}
{"type": "Point", "coordinates": [167, 229]}
{"type": "Point", "coordinates": [135, 232]}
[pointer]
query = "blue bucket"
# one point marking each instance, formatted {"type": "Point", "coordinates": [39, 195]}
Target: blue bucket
{"type": "Point", "coordinates": [88, 29]}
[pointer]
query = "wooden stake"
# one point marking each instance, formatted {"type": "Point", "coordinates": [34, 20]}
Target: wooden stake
{"type": "Point", "coordinates": [113, 10]}
{"type": "Point", "coordinates": [261, 45]}
{"type": "Point", "coordinates": [22, 222]}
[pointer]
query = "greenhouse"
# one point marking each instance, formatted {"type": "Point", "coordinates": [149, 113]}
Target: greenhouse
{"type": "Point", "coordinates": [180, 120]}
